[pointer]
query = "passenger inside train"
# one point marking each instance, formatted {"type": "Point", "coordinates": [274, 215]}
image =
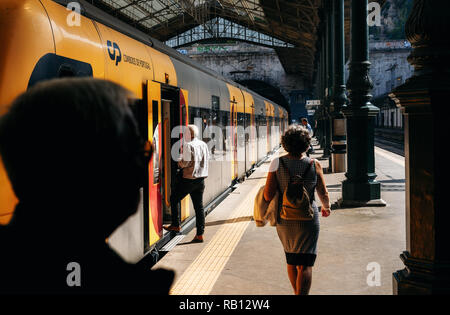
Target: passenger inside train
{"type": "Point", "coordinates": [73, 152]}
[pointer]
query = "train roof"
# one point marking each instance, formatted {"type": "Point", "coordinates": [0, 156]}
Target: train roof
{"type": "Point", "coordinates": [94, 13]}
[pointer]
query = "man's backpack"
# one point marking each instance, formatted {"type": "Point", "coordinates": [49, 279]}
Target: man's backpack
{"type": "Point", "coordinates": [296, 203]}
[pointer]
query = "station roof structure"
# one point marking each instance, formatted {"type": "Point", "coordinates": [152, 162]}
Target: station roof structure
{"type": "Point", "coordinates": [294, 22]}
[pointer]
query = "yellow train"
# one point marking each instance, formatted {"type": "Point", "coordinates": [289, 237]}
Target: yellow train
{"type": "Point", "coordinates": [39, 41]}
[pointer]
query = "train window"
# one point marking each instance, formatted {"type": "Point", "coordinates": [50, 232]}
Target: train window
{"type": "Point", "coordinates": [191, 115]}
{"type": "Point", "coordinates": [263, 126]}
{"type": "Point", "coordinates": [262, 121]}
{"type": "Point", "coordinates": [215, 102]}
{"type": "Point", "coordinates": [215, 110]}
{"type": "Point", "coordinates": [207, 117]}
{"type": "Point", "coordinates": [246, 124]}
{"type": "Point", "coordinates": [224, 118]}
{"type": "Point", "coordinates": [183, 121]}
{"type": "Point", "coordinates": [156, 161]}
{"type": "Point", "coordinates": [139, 113]}
{"type": "Point", "coordinates": [241, 123]}
{"type": "Point", "coordinates": [52, 66]}
{"type": "Point", "coordinates": [154, 114]}
{"type": "Point", "coordinates": [66, 71]}
{"type": "Point", "coordinates": [215, 118]}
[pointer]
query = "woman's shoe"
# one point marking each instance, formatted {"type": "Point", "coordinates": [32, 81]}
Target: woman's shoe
{"type": "Point", "coordinates": [197, 239]}
{"type": "Point", "coordinates": [172, 228]}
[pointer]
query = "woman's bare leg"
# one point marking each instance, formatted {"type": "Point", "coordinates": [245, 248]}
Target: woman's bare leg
{"type": "Point", "coordinates": [292, 273]}
{"type": "Point", "coordinates": [304, 279]}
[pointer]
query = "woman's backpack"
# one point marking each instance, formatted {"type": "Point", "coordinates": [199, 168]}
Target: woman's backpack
{"type": "Point", "coordinates": [296, 203]}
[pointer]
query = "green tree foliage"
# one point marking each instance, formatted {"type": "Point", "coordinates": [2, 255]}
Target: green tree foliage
{"type": "Point", "coordinates": [402, 9]}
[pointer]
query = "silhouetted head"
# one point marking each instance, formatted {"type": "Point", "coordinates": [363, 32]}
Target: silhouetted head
{"type": "Point", "coordinates": [296, 140]}
{"type": "Point", "coordinates": [74, 155]}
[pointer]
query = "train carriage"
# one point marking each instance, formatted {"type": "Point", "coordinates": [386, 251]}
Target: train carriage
{"type": "Point", "coordinates": [38, 43]}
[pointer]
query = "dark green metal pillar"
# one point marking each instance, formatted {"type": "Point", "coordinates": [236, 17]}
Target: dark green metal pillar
{"type": "Point", "coordinates": [329, 70]}
{"type": "Point", "coordinates": [330, 77]}
{"type": "Point", "coordinates": [360, 188]}
{"type": "Point", "coordinates": [339, 139]}
{"type": "Point", "coordinates": [322, 120]}
{"type": "Point", "coordinates": [318, 115]}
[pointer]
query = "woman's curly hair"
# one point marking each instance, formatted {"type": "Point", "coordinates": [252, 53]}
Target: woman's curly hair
{"type": "Point", "coordinates": [296, 140]}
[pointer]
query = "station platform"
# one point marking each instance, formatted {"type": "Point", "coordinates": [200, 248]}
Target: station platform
{"type": "Point", "coordinates": [238, 258]}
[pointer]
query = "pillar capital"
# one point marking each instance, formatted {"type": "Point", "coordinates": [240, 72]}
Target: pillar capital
{"type": "Point", "coordinates": [427, 31]}
{"type": "Point", "coordinates": [359, 85]}
{"type": "Point", "coordinates": [340, 97]}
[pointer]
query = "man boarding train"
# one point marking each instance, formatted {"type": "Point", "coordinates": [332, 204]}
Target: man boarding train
{"type": "Point", "coordinates": [193, 163]}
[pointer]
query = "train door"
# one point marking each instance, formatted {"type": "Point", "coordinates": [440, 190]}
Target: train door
{"type": "Point", "coordinates": [234, 140]}
{"type": "Point", "coordinates": [242, 141]}
{"type": "Point", "coordinates": [152, 195]}
{"type": "Point", "coordinates": [253, 136]}
{"type": "Point", "coordinates": [250, 137]}
{"type": "Point", "coordinates": [166, 178]}
{"type": "Point", "coordinates": [174, 114]}
{"type": "Point", "coordinates": [170, 119]}
{"type": "Point", "coordinates": [141, 231]}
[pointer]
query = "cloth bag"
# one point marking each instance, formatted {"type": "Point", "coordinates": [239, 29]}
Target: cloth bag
{"type": "Point", "coordinates": [264, 211]}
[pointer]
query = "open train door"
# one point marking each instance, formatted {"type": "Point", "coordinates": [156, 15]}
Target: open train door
{"type": "Point", "coordinates": [141, 231]}
{"type": "Point", "coordinates": [253, 136]}
{"type": "Point", "coordinates": [153, 198]}
{"type": "Point", "coordinates": [174, 106]}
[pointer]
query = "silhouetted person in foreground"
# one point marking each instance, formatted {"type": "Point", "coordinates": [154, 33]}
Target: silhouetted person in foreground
{"type": "Point", "coordinates": [76, 161]}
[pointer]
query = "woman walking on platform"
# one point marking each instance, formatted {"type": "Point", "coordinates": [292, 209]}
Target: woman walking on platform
{"type": "Point", "coordinates": [299, 237]}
